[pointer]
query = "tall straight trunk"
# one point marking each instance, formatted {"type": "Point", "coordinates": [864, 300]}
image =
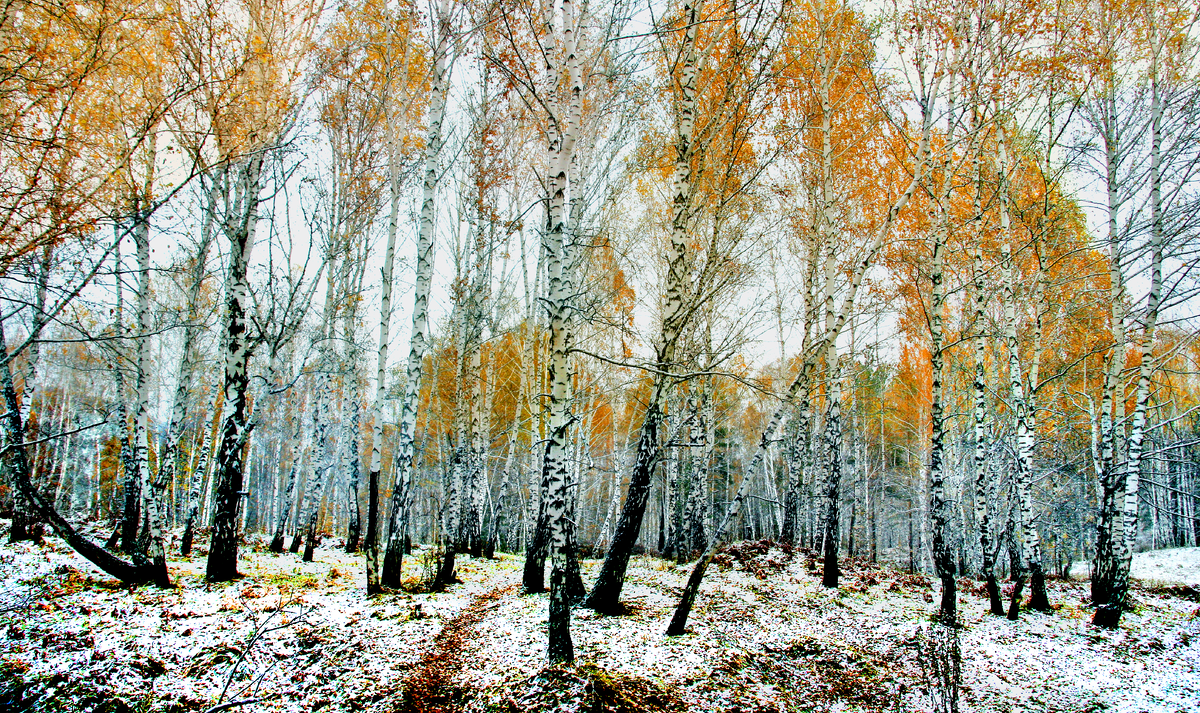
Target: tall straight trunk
{"type": "Point", "coordinates": [372, 539]}
{"type": "Point", "coordinates": [131, 512]}
{"type": "Point", "coordinates": [419, 339]}
{"type": "Point", "coordinates": [984, 484]}
{"type": "Point", "coordinates": [833, 469]}
{"type": "Point", "coordinates": [533, 575]}
{"type": "Point", "coordinates": [352, 465]}
{"type": "Point", "coordinates": [1030, 555]}
{"type": "Point", "coordinates": [606, 594]}
{"type": "Point", "coordinates": [1108, 612]}
{"type": "Point", "coordinates": [672, 490]}
{"type": "Point", "coordinates": [825, 226]}
{"type": "Point", "coordinates": [322, 470]}
{"type": "Point", "coordinates": [235, 429]}
{"type": "Point", "coordinates": [168, 454]}
{"type": "Point", "coordinates": [1110, 527]}
{"type": "Point", "coordinates": [476, 482]}
{"type": "Point", "coordinates": [943, 561]}
{"type": "Point", "coordinates": [563, 133]}
{"type": "Point", "coordinates": [155, 548]}
{"type": "Point", "coordinates": [694, 535]}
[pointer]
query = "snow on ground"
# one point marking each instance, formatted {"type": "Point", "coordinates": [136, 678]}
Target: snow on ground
{"type": "Point", "coordinates": [763, 636]}
{"type": "Point", "coordinates": [1178, 565]}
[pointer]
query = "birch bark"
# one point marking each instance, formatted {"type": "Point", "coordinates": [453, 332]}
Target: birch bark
{"type": "Point", "coordinates": [419, 339]}
{"type": "Point", "coordinates": [563, 132]}
{"type": "Point", "coordinates": [1108, 610]}
{"type": "Point", "coordinates": [154, 548]}
{"type": "Point", "coordinates": [239, 227]}
{"type": "Point", "coordinates": [803, 379]}
{"type": "Point", "coordinates": [606, 594]}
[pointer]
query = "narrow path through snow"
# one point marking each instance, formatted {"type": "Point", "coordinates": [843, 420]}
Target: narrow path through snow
{"type": "Point", "coordinates": [429, 689]}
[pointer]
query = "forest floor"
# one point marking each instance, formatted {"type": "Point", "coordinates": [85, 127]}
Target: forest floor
{"type": "Point", "coordinates": [764, 636]}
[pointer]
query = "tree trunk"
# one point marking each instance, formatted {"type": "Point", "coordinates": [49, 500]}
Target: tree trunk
{"type": "Point", "coordinates": [23, 526]}
{"type": "Point", "coordinates": [168, 455]}
{"type": "Point", "coordinates": [199, 476]}
{"type": "Point", "coordinates": [351, 463]}
{"type": "Point", "coordinates": [1108, 611]}
{"type": "Point", "coordinates": [606, 594]}
{"type": "Point", "coordinates": [126, 572]}
{"type": "Point", "coordinates": [155, 548]}
{"type": "Point", "coordinates": [419, 339]}
{"type": "Point", "coordinates": [235, 429]}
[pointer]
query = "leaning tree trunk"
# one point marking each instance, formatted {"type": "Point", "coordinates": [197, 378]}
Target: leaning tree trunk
{"type": "Point", "coordinates": [606, 594]}
{"type": "Point", "coordinates": [235, 429]}
{"type": "Point", "coordinates": [129, 573]}
{"type": "Point", "coordinates": [774, 426]}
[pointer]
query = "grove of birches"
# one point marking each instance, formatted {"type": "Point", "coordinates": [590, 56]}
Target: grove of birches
{"type": "Point", "coordinates": [910, 282]}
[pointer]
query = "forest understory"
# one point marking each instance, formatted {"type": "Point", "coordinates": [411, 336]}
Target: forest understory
{"type": "Point", "coordinates": [764, 636]}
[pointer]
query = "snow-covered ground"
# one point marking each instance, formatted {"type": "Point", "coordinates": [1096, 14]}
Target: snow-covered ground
{"type": "Point", "coordinates": [764, 636]}
{"type": "Point", "coordinates": [1179, 565]}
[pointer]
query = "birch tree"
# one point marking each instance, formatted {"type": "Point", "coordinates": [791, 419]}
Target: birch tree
{"type": "Point", "coordinates": [442, 57]}
{"type": "Point", "coordinates": [928, 93]}
{"type": "Point", "coordinates": [277, 37]}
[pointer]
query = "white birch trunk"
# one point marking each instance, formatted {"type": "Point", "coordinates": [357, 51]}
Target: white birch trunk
{"type": "Point", "coordinates": [1108, 612]}
{"type": "Point", "coordinates": [419, 339]}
